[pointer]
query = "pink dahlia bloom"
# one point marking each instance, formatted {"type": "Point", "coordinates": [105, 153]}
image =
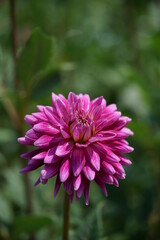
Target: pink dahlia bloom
{"type": "Point", "coordinates": [79, 141]}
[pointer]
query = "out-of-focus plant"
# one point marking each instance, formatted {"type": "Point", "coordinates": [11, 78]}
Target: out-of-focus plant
{"type": "Point", "coordinates": [108, 48]}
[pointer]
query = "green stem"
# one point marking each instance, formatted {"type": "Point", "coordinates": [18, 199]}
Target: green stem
{"type": "Point", "coordinates": [66, 217]}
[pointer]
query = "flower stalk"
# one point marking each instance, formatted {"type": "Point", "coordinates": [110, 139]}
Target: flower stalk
{"type": "Point", "coordinates": [66, 217]}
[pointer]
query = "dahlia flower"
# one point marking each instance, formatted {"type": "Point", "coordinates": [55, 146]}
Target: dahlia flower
{"type": "Point", "coordinates": [78, 141]}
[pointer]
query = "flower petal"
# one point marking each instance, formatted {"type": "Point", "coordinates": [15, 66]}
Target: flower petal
{"type": "Point", "coordinates": [68, 185]}
{"type": "Point", "coordinates": [65, 132]}
{"type": "Point", "coordinates": [77, 182]}
{"type": "Point", "coordinates": [108, 168]}
{"type": "Point", "coordinates": [40, 116]}
{"type": "Point", "coordinates": [80, 190]}
{"type": "Point", "coordinates": [125, 161]}
{"type": "Point", "coordinates": [105, 178]}
{"type": "Point", "coordinates": [102, 186]}
{"type": "Point", "coordinates": [118, 167]}
{"type": "Point", "coordinates": [111, 108]}
{"type": "Point", "coordinates": [78, 161]}
{"type": "Point", "coordinates": [109, 155]}
{"type": "Point", "coordinates": [31, 167]}
{"type": "Point", "coordinates": [94, 158]}
{"type": "Point", "coordinates": [43, 141]}
{"type": "Point", "coordinates": [57, 186]}
{"type": "Point", "coordinates": [49, 171]}
{"type": "Point", "coordinates": [63, 149]}
{"type": "Point", "coordinates": [64, 170]}
{"type": "Point", "coordinates": [51, 116]}
{"type": "Point", "coordinates": [31, 120]}
{"type": "Point", "coordinates": [61, 109]}
{"type": "Point", "coordinates": [31, 154]}
{"type": "Point", "coordinates": [51, 156]}
{"type": "Point", "coordinates": [86, 192]}
{"type": "Point", "coordinates": [24, 141]}
{"type": "Point", "coordinates": [39, 156]}
{"type": "Point", "coordinates": [45, 128]}
{"type": "Point", "coordinates": [89, 173]}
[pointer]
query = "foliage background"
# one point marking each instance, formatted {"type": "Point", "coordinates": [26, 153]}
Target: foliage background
{"type": "Point", "coordinates": [109, 48]}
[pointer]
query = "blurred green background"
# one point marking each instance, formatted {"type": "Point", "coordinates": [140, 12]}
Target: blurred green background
{"type": "Point", "coordinates": [109, 48]}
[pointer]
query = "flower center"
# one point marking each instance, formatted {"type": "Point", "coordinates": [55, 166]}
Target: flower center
{"type": "Point", "coordinates": [82, 119]}
{"type": "Point", "coordinates": [80, 127]}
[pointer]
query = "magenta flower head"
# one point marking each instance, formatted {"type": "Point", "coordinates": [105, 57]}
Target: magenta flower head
{"type": "Point", "coordinates": [78, 141]}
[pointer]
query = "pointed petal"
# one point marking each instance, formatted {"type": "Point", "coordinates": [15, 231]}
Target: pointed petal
{"type": "Point", "coordinates": [64, 170]}
{"type": "Point", "coordinates": [31, 120]}
{"type": "Point", "coordinates": [112, 118]}
{"type": "Point", "coordinates": [102, 186]}
{"type": "Point", "coordinates": [72, 98]}
{"type": "Point", "coordinates": [105, 178]}
{"type": "Point", "coordinates": [22, 140]}
{"type": "Point", "coordinates": [120, 175]}
{"type": "Point", "coordinates": [68, 185]}
{"type": "Point", "coordinates": [63, 149]}
{"type": "Point", "coordinates": [95, 103]}
{"type": "Point", "coordinates": [49, 171]}
{"type": "Point", "coordinates": [57, 186]}
{"type": "Point", "coordinates": [115, 181]}
{"type": "Point", "coordinates": [39, 156]}
{"type": "Point", "coordinates": [111, 108]}
{"type": "Point", "coordinates": [61, 109]}
{"type": "Point", "coordinates": [45, 128]}
{"type": "Point", "coordinates": [40, 108]}
{"type": "Point", "coordinates": [86, 192]}
{"type": "Point", "coordinates": [31, 154]}
{"type": "Point", "coordinates": [52, 118]}
{"type": "Point", "coordinates": [31, 167]}
{"type": "Point", "coordinates": [76, 134]}
{"type": "Point", "coordinates": [94, 158]}
{"type": "Point", "coordinates": [125, 161]}
{"type": "Point", "coordinates": [80, 190]}
{"type": "Point", "coordinates": [65, 132]}
{"type": "Point", "coordinates": [37, 182]}
{"type": "Point", "coordinates": [89, 173]}
{"type": "Point", "coordinates": [108, 154]}
{"type": "Point", "coordinates": [51, 156]}
{"type": "Point", "coordinates": [31, 135]}
{"type": "Point", "coordinates": [108, 168]}
{"type": "Point", "coordinates": [85, 102]}
{"type": "Point", "coordinates": [54, 99]}
{"type": "Point", "coordinates": [40, 116]}
{"type": "Point", "coordinates": [43, 141]}
{"type": "Point", "coordinates": [122, 122]}
{"type": "Point", "coordinates": [87, 134]}
{"type": "Point", "coordinates": [77, 182]}
{"type": "Point", "coordinates": [118, 167]}
{"type": "Point", "coordinates": [78, 161]}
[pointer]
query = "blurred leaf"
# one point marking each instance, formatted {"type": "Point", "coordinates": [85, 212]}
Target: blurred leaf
{"type": "Point", "coordinates": [90, 227]}
{"type": "Point", "coordinates": [35, 58]}
{"type": "Point", "coordinates": [7, 135]}
{"type": "Point", "coordinates": [14, 189]}
{"type": "Point", "coordinates": [6, 211]}
{"type": "Point", "coordinates": [30, 224]}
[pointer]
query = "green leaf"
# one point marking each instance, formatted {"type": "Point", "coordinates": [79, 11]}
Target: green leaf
{"type": "Point", "coordinates": [30, 224]}
{"type": "Point", "coordinates": [7, 135]}
{"type": "Point", "coordinates": [6, 210]}
{"type": "Point", "coordinates": [35, 58]}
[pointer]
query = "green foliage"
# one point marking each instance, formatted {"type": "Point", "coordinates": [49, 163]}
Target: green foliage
{"type": "Point", "coordinates": [30, 224]}
{"type": "Point", "coordinates": [109, 48]}
{"type": "Point", "coordinates": [35, 58]}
